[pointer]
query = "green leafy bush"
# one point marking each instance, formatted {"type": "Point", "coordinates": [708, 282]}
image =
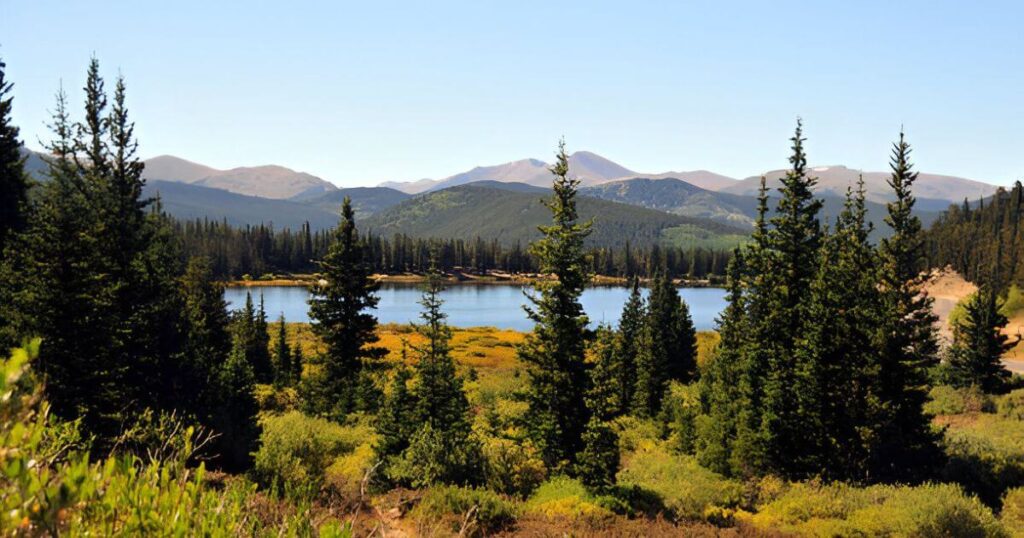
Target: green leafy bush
{"type": "Point", "coordinates": [1012, 515]}
{"type": "Point", "coordinates": [433, 458]}
{"type": "Point", "coordinates": [346, 476]}
{"type": "Point", "coordinates": [512, 467]}
{"type": "Point", "coordinates": [986, 456]}
{"type": "Point", "coordinates": [810, 509]}
{"type": "Point", "coordinates": [49, 490]}
{"type": "Point", "coordinates": [563, 497]}
{"type": "Point", "coordinates": [1011, 405]}
{"type": "Point", "coordinates": [296, 449]}
{"type": "Point", "coordinates": [482, 511]}
{"type": "Point", "coordinates": [686, 489]}
{"type": "Point", "coordinates": [947, 400]}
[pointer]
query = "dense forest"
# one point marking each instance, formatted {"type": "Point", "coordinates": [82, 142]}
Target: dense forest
{"type": "Point", "coordinates": [982, 239]}
{"type": "Point", "coordinates": [134, 403]}
{"type": "Point", "coordinates": [235, 252]}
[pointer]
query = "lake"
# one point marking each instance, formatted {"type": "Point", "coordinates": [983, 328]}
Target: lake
{"type": "Point", "coordinates": [478, 305]}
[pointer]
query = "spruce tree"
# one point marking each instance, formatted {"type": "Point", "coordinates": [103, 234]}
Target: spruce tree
{"type": "Point", "coordinates": [906, 446]}
{"type": "Point", "coordinates": [631, 324]}
{"type": "Point", "coordinates": [554, 350]}
{"type": "Point", "coordinates": [338, 310]}
{"type": "Point", "coordinates": [297, 361]}
{"type": "Point", "coordinates": [975, 358]}
{"type": "Point", "coordinates": [234, 414]}
{"type": "Point", "coordinates": [720, 396]}
{"type": "Point", "coordinates": [795, 239]}
{"type": "Point", "coordinates": [441, 407]}
{"type": "Point", "coordinates": [395, 421]}
{"type": "Point", "coordinates": [249, 330]}
{"type": "Point", "coordinates": [837, 362]}
{"type": "Point", "coordinates": [282, 355]}
{"type": "Point", "coordinates": [13, 180]}
{"type": "Point", "coordinates": [598, 462]}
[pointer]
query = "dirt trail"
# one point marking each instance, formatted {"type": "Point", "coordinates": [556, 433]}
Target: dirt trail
{"type": "Point", "coordinates": [948, 288]}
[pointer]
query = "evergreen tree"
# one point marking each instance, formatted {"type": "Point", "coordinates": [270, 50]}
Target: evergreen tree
{"type": "Point", "coordinates": [554, 350]}
{"type": "Point", "coordinates": [631, 325]}
{"type": "Point", "coordinates": [249, 330]}
{"type": "Point", "coordinates": [395, 424]}
{"type": "Point", "coordinates": [297, 361]}
{"type": "Point", "coordinates": [598, 462]}
{"type": "Point", "coordinates": [837, 362]}
{"type": "Point", "coordinates": [722, 401]}
{"type": "Point", "coordinates": [13, 180]}
{"type": "Point", "coordinates": [794, 242]}
{"type": "Point", "coordinates": [975, 358]}
{"type": "Point", "coordinates": [443, 442]}
{"type": "Point", "coordinates": [338, 309]}
{"type": "Point", "coordinates": [234, 416]}
{"type": "Point", "coordinates": [906, 446]}
{"type": "Point", "coordinates": [282, 355]}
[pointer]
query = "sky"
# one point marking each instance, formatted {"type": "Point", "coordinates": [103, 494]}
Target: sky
{"type": "Point", "coordinates": [363, 92]}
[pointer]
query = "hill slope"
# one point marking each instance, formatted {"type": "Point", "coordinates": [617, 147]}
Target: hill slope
{"type": "Point", "coordinates": [187, 202]}
{"type": "Point", "coordinates": [470, 211]}
{"type": "Point", "coordinates": [365, 200]}
{"type": "Point", "coordinates": [680, 198]}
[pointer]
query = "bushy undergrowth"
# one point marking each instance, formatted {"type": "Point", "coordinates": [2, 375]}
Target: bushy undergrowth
{"type": "Point", "coordinates": [809, 509]}
{"type": "Point", "coordinates": [1012, 515]}
{"type": "Point", "coordinates": [687, 490]}
{"type": "Point", "coordinates": [947, 400]}
{"type": "Point", "coordinates": [51, 488]}
{"type": "Point", "coordinates": [473, 511]}
{"type": "Point", "coordinates": [986, 456]}
{"type": "Point", "coordinates": [295, 450]}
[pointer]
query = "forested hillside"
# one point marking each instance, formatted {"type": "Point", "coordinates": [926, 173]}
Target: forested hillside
{"type": "Point", "coordinates": [510, 217]}
{"type": "Point", "coordinates": [982, 239]}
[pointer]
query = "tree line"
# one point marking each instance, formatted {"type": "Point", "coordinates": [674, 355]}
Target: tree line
{"type": "Point", "coordinates": [255, 250]}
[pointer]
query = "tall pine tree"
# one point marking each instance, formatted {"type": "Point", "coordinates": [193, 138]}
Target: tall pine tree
{"type": "Point", "coordinates": [905, 446]}
{"type": "Point", "coordinates": [338, 309]}
{"type": "Point", "coordinates": [554, 350]}
{"type": "Point", "coordinates": [13, 180]}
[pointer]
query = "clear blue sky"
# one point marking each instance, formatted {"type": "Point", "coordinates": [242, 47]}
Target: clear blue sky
{"type": "Point", "coordinates": [362, 92]}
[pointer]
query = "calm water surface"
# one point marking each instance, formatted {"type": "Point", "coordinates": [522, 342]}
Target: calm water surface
{"type": "Point", "coordinates": [478, 305]}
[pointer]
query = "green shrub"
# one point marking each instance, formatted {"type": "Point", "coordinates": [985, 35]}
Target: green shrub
{"type": "Point", "coordinates": [985, 456]}
{"type": "Point", "coordinates": [1014, 301]}
{"type": "Point", "coordinates": [680, 410]}
{"type": "Point", "coordinates": [685, 488]}
{"type": "Point", "coordinates": [1012, 515]}
{"type": "Point", "coordinates": [296, 449]}
{"type": "Point", "coordinates": [947, 400]}
{"type": "Point", "coordinates": [567, 498]}
{"type": "Point", "coordinates": [345, 476]}
{"type": "Point", "coordinates": [449, 506]}
{"type": "Point", "coordinates": [1011, 405]}
{"type": "Point", "coordinates": [45, 495]}
{"type": "Point", "coordinates": [512, 467]}
{"type": "Point", "coordinates": [271, 399]}
{"type": "Point", "coordinates": [635, 432]}
{"type": "Point", "coordinates": [434, 457]}
{"type": "Point", "coordinates": [811, 509]}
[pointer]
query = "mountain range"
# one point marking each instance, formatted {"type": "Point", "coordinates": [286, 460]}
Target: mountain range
{"type": "Point", "coordinates": [502, 201]}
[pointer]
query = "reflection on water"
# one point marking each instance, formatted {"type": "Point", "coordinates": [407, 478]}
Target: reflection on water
{"type": "Point", "coordinates": [479, 305]}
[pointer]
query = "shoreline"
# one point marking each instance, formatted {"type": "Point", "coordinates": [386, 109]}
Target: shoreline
{"type": "Point", "coordinates": [461, 279]}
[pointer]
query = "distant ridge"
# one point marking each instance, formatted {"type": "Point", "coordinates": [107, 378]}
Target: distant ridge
{"type": "Point", "coordinates": [270, 181]}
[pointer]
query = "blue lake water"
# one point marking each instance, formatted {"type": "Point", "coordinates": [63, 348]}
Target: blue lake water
{"type": "Point", "coordinates": [478, 305]}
